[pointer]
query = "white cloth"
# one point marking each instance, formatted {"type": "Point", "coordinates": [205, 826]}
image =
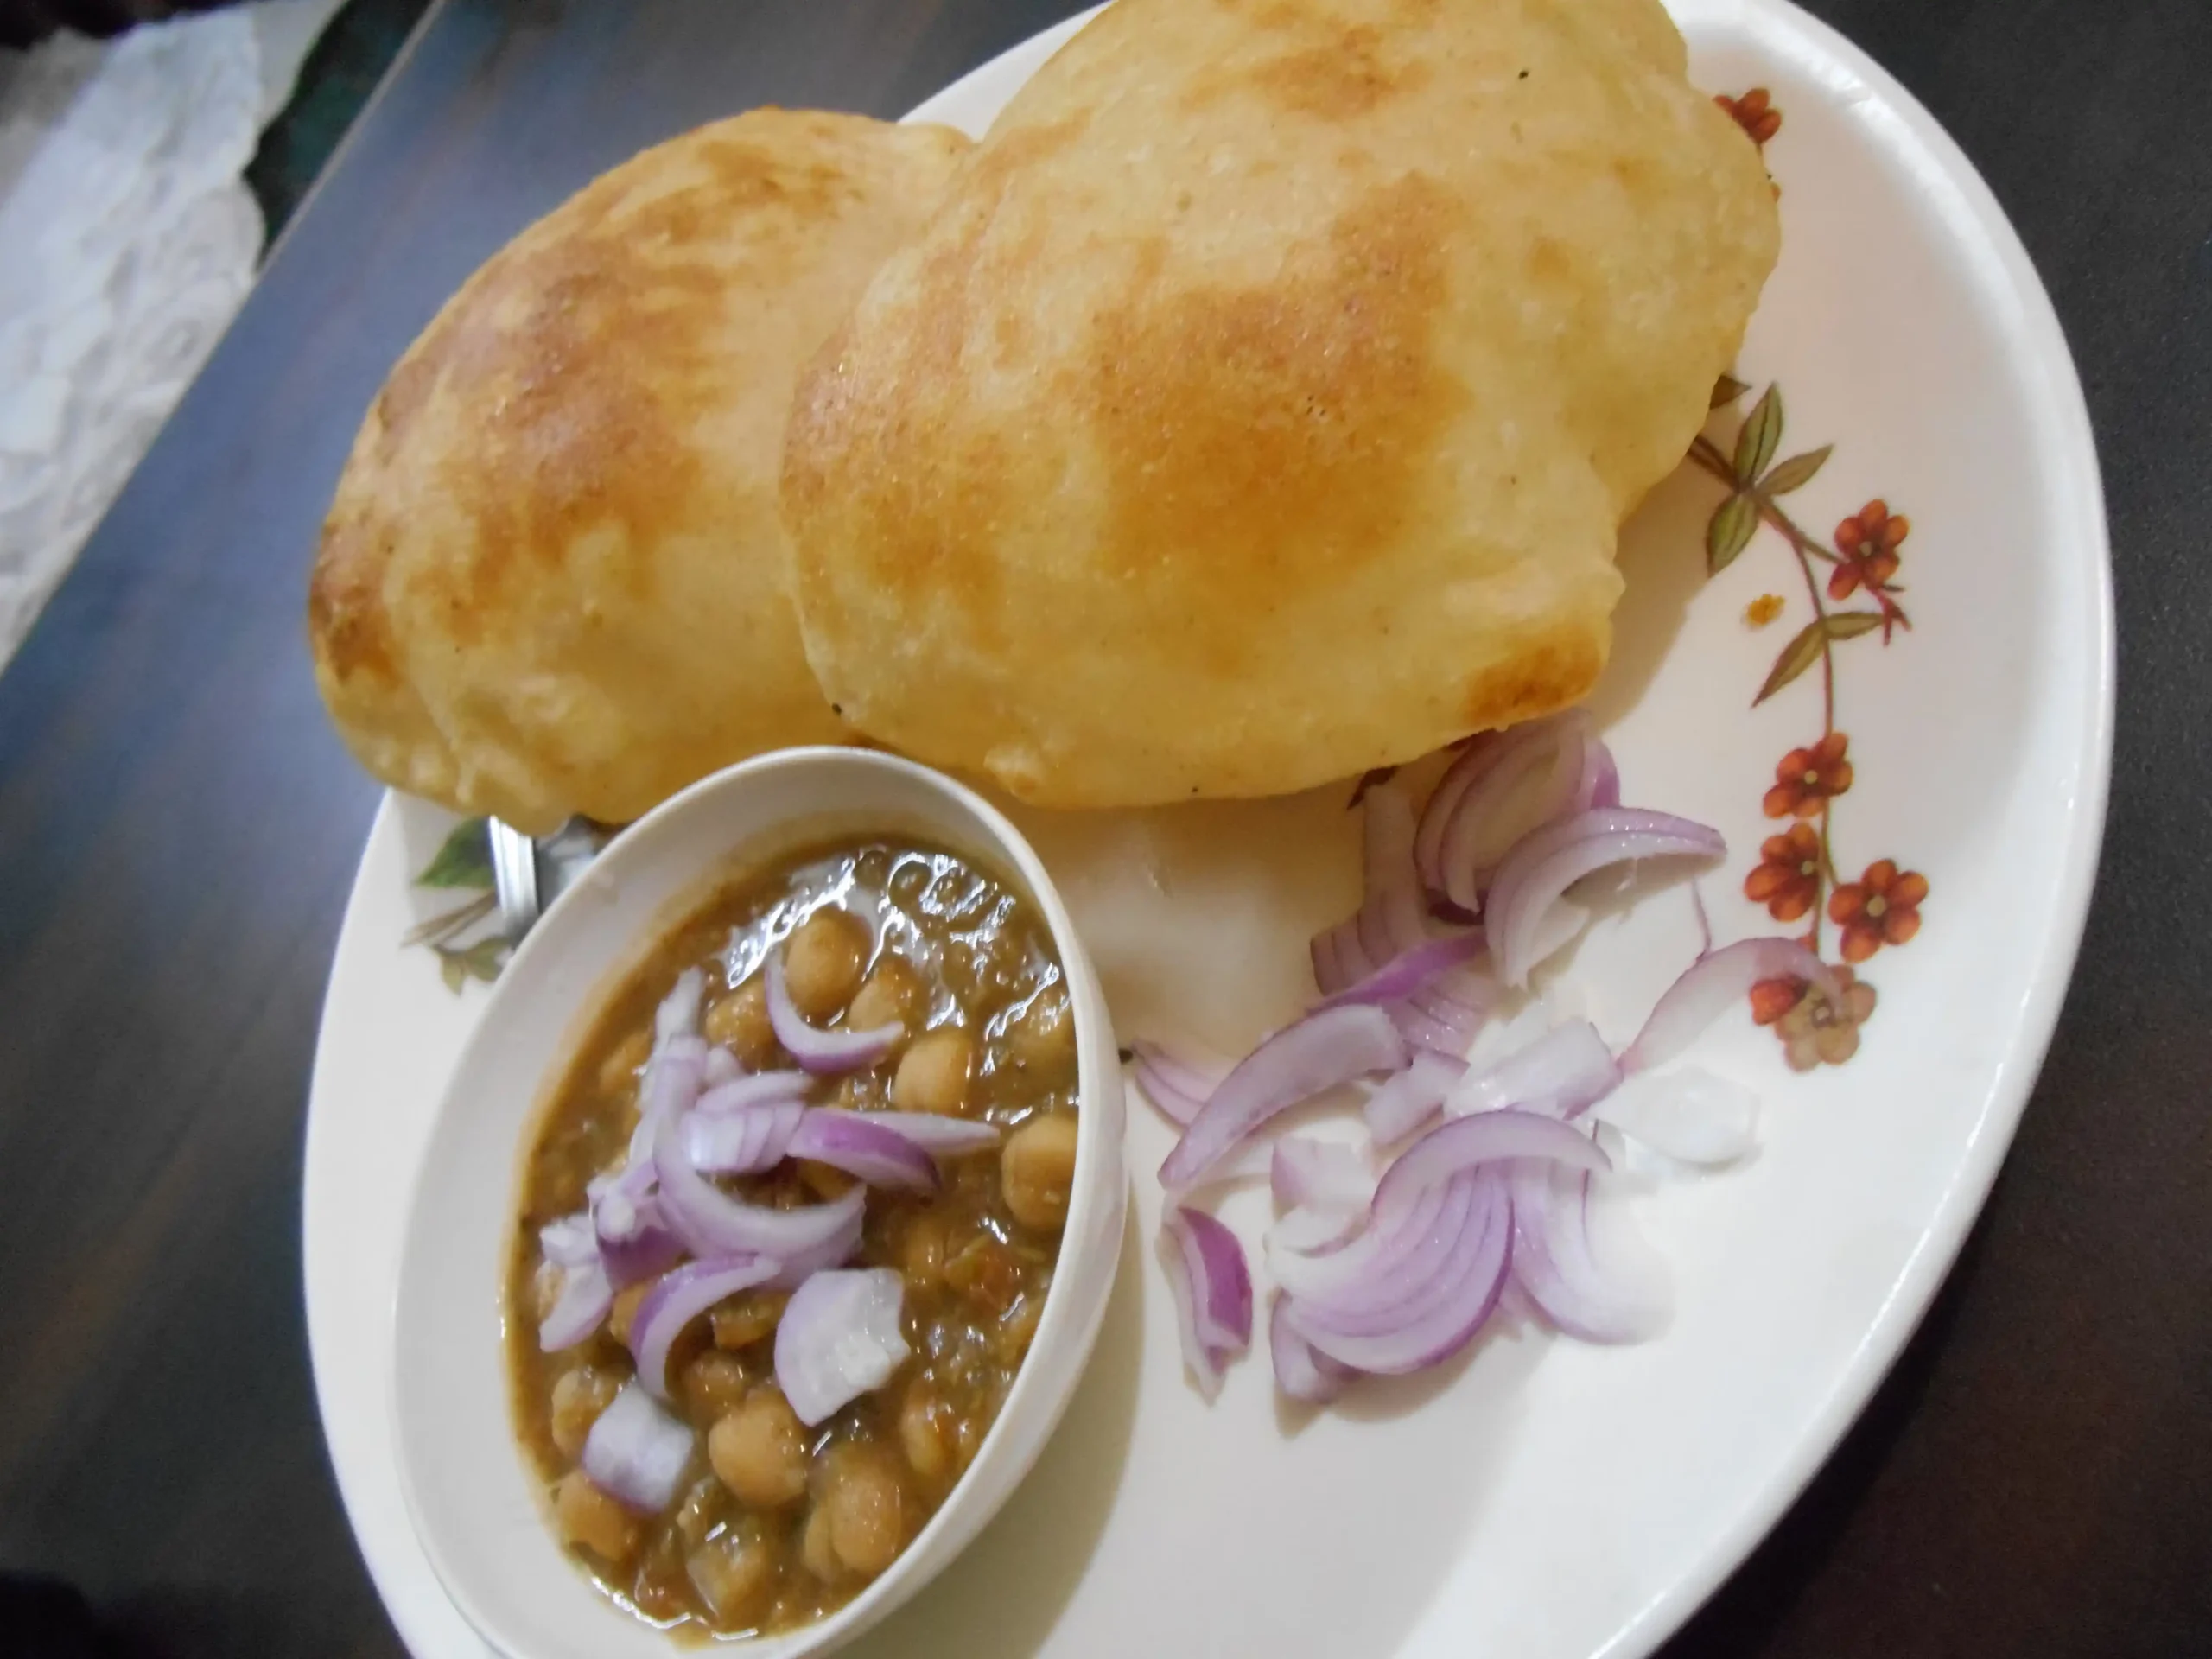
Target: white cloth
{"type": "Point", "coordinates": [127, 242]}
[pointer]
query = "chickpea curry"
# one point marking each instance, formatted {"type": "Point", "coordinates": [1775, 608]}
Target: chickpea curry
{"type": "Point", "coordinates": [786, 1231]}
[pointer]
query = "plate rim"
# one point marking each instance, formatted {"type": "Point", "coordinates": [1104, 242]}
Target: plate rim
{"type": "Point", "coordinates": [2062, 421]}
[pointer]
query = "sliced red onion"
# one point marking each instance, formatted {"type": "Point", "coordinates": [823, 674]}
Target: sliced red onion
{"type": "Point", "coordinates": [673, 1079]}
{"type": "Point", "coordinates": [678, 1014]}
{"type": "Point", "coordinates": [1530, 780]}
{"type": "Point", "coordinates": [935, 1133]}
{"type": "Point", "coordinates": [1714, 983]}
{"type": "Point", "coordinates": [679, 1297]}
{"type": "Point", "coordinates": [585, 1296]}
{"type": "Point", "coordinates": [1300, 1372]}
{"type": "Point", "coordinates": [1462, 1143]}
{"type": "Point", "coordinates": [1409, 1228]}
{"type": "Point", "coordinates": [1213, 1291]}
{"type": "Point", "coordinates": [1441, 1316]}
{"type": "Point", "coordinates": [817, 1050]}
{"type": "Point", "coordinates": [1600, 784]}
{"type": "Point", "coordinates": [1318, 1052]}
{"type": "Point", "coordinates": [1393, 917]}
{"type": "Point", "coordinates": [1409, 1100]}
{"type": "Point", "coordinates": [1483, 753]}
{"type": "Point", "coordinates": [743, 1141]}
{"type": "Point", "coordinates": [634, 1242]}
{"type": "Point", "coordinates": [1555, 1264]}
{"type": "Point", "coordinates": [1688, 1113]}
{"type": "Point", "coordinates": [1409, 971]}
{"type": "Point", "coordinates": [1559, 1074]}
{"type": "Point", "coordinates": [1419, 1276]}
{"type": "Point", "coordinates": [840, 1337]}
{"type": "Point", "coordinates": [740, 1094]}
{"type": "Point", "coordinates": [1545, 863]}
{"type": "Point", "coordinates": [881, 1156]}
{"type": "Point", "coordinates": [1332, 973]}
{"type": "Point", "coordinates": [712, 1223]}
{"type": "Point", "coordinates": [638, 1451]}
{"type": "Point", "coordinates": [1426, 1032]}
{"type": "Point", "coordinates": [721, 1067]}
{"type": "Point", "coordinates": [1177, 1084]}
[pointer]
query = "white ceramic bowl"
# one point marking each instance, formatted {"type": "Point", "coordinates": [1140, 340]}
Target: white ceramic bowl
{"type": "Point", "coordinates": [477, 1507]}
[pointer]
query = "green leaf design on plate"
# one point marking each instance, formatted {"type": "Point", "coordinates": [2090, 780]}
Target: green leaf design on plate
{"type": "Point", "coordinates": [1760, 438]}
{"type": "Point", "coordinates": [457, 965]}
{"type": "Point", "coordinates": [465, 861]}
{"type": "Point", "coordinates": [1796, 472]}
{"type": "Point", "coordinates": [1805, 649]}
{"type": "Point", "coordinates": [1730, 532]}
{"type": "Point", "coordinates": [1726, 389]}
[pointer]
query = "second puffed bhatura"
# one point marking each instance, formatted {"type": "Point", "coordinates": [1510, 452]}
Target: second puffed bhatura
{"type": "Point", "coordinates": [1261, 402]}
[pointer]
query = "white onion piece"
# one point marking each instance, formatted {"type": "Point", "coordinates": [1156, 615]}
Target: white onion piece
{"type": "Point", "coordinates": [1306, 1169]}
{"type": "Point", "coordinates": [1316, 1053]}
{"type": "Point", "coordinates": [585, 1296]}
{"type": "Point", "coordinates": [678, 1013]}
{"type": "Point", "coordinates": [721, 1067]}
{"type": "Point", "coordinates": [881, 1156]}
{"type": "Point", "coordinates": [760, 1088]}
{"type": "Point", "coordinates": [1713, 982]}
{"type": "Point", "coordinates": [570, 1242]}
{"type": "Point", "coordinates": [638, 1451]}
{"type": "Point", "coordinates": [741, 1141]}
{"type": "Point", "coordinates": [839, 1337]}
{"type": "Point", "coordinates": [1556, 1262]}
{"type": "Point", "coordinates": [1688, 1113]}
{"type": "Point", "coordinates": [940, 1137]}
{"type": "Point", "coordinates": [679, 1297]}
{"type": "Point", "coordinates": [1409, 1099]}
{"type": "Point", "coordinates": [817, 1050]}
{"type": "Point", "coordinates": [1560, 1074]}
{"type": "Point", "coordinates": [1545, 863]}
{"type": "Point", "coordinates": [1300, 1372]}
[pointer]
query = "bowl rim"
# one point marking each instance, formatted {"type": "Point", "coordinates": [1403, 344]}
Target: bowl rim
{"type": "Point", "coordinates": [1094, 1230]}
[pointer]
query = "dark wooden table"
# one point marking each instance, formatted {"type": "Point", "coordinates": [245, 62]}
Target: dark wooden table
{"type": "Point", "coordinates": [178, 826]}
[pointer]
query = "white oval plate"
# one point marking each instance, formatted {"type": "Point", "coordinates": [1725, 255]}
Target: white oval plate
{"type": "Point", "coordinates": [1542, 1499]}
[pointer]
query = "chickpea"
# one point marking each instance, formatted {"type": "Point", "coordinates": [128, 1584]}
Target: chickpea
{"type": "Point", "coordinates": [892, 991]}
{"type": "Point", "coordinates": [1042, 1042]}
{"type": "Point", "coordinates": [922, 1432]}
{"type": "Point", "coordinates": [824, 960]}
{"type": "Point", "coordinates": [760, 1450]}
{"type": "Point", "coordinates": [1037, 1170]}
{"type": "Point", "coordinates": [866, 1520]}
{"type": "Point", "coordinates": [746, 1318]}
{"type": "Point", "coordinates": [933, 1073]}
{"type": "Point", "coordinates": [716, 1383]}
{"type": "Point", "coordinates": [740, 1023]}
{"type": "Point", "coordinates": [922, 1259]}
{"type": "Point", "coordinates": [588, 1517]}
{"type": "Point", "coordinates": [736, 1575]}
{"type": "Point", "coordinates": [825, 1181]}
{"type": "Point", "coordinates": [625, 1310]}
{"type": "Point", "coordinates": [816, 1553]}
{"type": "Point", "coordinates": [578, 1398]}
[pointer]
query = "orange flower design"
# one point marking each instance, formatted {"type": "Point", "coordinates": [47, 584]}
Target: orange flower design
{"type": "Point", "coordinates": [1788, 879]}
{"type": "Point", "coordinates": [1807, 779]}
{"type": "Point", "coordinates": [1868, 541]}
{"type": "Point", "coordinates": [1882, 908]}
{"type": "Point", "coordinates": [1754, 112]}
{"type": "Point", "coordinates": [1813, 1031]}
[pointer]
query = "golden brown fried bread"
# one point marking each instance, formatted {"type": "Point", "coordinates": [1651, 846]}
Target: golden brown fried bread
{"type": "Point", "coordinates": [555, 578]}
{"type": "Point", "coordinates": [1261, 404]}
